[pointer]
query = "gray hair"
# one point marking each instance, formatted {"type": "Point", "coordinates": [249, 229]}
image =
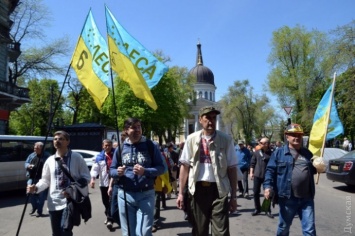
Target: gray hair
{"type": "Point", "coordinates": [39, 144]}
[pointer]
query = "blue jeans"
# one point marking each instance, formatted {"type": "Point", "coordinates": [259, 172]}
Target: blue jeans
{"type": "Point", "coordinates": [37, 200]}
{"type": "Point", "coordinates": [303, 207]}
{"type": "Point", "coordinates": [140, 212]}
{"type": "Point", "coordinates": [57, 222]}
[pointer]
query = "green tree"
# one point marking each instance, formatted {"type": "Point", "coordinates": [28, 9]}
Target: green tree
{"type": "Point", "coordinates": [343, 52]}
{"type": "Point", "coordinates": [171, 95]}
{"type": "Point", "coordinates": [343, 47]}
{"type": "Point", "coordinates": [298, 58]}
{"type": "Point", "coordinates": [345, 90]}
{"type": "Point", "coordinates": [248, 115]}
{"type": "Point", "coordinates": [34, 118]}
{"type": "Point", "coordinates": [80, 104]}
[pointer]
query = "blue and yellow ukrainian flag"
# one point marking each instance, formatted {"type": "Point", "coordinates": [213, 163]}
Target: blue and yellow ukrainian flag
{"type": "Point", "coordinates": [91, 61]}
{"type": "Point", "coordinates": [319, 128]}
{"type": "Point", "coordinates": [132, 62]}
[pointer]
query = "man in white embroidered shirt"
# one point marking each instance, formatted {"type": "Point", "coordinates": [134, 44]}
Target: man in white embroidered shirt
{"type": "Point", "coordinates": [209, 162]}
{"type": "Point", "coordinates": [56, 180]}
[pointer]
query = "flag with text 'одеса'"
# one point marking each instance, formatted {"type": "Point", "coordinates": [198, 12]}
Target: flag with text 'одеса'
{"type": "Point", "coordinates": [91, 61]}
{"type": "Point", "coordinates": [132, 62]}
{"type": "Point", "coordinates": [319, 128]}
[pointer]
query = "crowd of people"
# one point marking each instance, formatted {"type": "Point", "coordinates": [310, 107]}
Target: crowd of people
{"type": "Point", "coordinates": [204, 173]}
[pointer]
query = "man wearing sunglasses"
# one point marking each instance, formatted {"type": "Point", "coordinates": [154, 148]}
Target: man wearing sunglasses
{"type": "Point", "coordinates": [289, 175]}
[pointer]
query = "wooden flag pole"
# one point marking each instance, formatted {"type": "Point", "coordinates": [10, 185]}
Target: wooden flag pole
{"type": "Point", "coordinates": [327, 122]}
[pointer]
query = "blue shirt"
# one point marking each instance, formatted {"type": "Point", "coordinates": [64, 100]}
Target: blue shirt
{"type": "Point", "coordinates": [244, 157]}
{"type": "Point", "coordinates": [137, 153]}
{"type": "Point", "coordinates": [279, 170]}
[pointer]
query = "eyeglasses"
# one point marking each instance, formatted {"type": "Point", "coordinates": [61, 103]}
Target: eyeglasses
{"type": "Point", "coordinates": [263, 143]}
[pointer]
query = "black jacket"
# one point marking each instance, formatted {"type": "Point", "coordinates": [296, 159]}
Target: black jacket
{"type": "Point", "coordinates": [259, 162]}
{"type": "Point", "coordinates": [78, 206]}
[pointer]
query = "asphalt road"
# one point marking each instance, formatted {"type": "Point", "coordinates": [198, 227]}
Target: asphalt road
{"type": "Point", "coordinates": [335, 216]}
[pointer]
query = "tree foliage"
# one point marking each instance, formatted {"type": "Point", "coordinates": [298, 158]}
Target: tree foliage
{"type": "Point", "coordinates": [34, 118]}
{"type": "Point", "coordinates": [80, 104]}
{"type": "Point", "coordinates": [345, 90]}
{"type": "Point", "coordinates": [170, 94]}
{"type": "Point", "coordinates": [343, 51]}
{"type": "Point", "coordinates": [249, 116]}
{"type": "Point", "coordinates": [343, 47]}
{"type": "Point", "coordinates": [299, 68]}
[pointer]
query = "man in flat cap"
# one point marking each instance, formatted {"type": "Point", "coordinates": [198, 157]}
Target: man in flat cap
{"type": "Point", "coordinates": [208, 162]}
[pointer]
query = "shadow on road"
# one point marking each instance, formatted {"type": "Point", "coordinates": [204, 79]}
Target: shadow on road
{"type": "Point", "coordinates": [344, 188]}
{"type": "Point", "coordinates": [12, 198]}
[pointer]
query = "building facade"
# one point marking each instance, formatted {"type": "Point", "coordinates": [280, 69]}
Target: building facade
{"type": "Point", "coordinates": [205, 90]}
{"type": "Point", "coordinates": [11, 95]}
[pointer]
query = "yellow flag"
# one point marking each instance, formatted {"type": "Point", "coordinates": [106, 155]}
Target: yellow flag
{"type": "Point", "coordinates": [91, 62]}
{"type": "Point", "coordinates": [122, 64]}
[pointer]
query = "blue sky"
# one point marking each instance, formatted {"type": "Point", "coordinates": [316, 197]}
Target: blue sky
{"type": "Point", "coordinates": [235, 34]}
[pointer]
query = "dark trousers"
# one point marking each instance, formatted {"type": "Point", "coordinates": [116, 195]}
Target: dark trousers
{"type": "Point", "coordinates": [207, 207]}
{"type": "Point", "coordinates": [163, 200]}
{"type": "Point", "coordinates": [57, 224]}
{"type": "Point", "coordinates": [106, 201]}
{"type": "Point", "coordinates": [256, 189]}
{"type": "Point", "coordinates": [114, 205]}
{"type": "Point", "coordinates": [243, 187]}
{"type": "Point", "coordinates": [158, 195]}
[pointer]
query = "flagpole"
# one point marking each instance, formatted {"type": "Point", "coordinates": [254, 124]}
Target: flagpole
{"type": "Point", "coordinates": [118, 138]}
{"type": "Point", "coordinates": [327, 121]}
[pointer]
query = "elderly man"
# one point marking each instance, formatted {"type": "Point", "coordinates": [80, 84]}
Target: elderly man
{"type": "Point", "coordinates": [209, 162]}
{"type": "Point", "coordinates": [289, 176]}
{"type": "Point", "coordinates": [34, 165]}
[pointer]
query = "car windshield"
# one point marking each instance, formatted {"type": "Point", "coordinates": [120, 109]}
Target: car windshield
{"type": "Point", "coordinates": [350, 155]}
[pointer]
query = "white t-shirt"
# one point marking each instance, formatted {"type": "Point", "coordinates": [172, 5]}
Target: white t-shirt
{"type": "Point", "coordinates": [206, 170]}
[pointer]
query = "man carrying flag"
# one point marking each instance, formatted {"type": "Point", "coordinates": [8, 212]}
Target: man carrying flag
{"type": "Point", "coordinates": [91, 62]}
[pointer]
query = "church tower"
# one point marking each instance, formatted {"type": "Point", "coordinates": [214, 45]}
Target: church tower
{"type": "Point", "coordinates": [204, 87]}
{"type": "Point", "coordinates": [204, 90]}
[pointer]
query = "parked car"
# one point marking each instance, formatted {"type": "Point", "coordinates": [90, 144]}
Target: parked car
{"type": "Point", "coordinates": [342, 169]}
{"type": "Point", "coordinates": [333, 153]}
{"type": "Point", "coordinates": [88, 155]}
